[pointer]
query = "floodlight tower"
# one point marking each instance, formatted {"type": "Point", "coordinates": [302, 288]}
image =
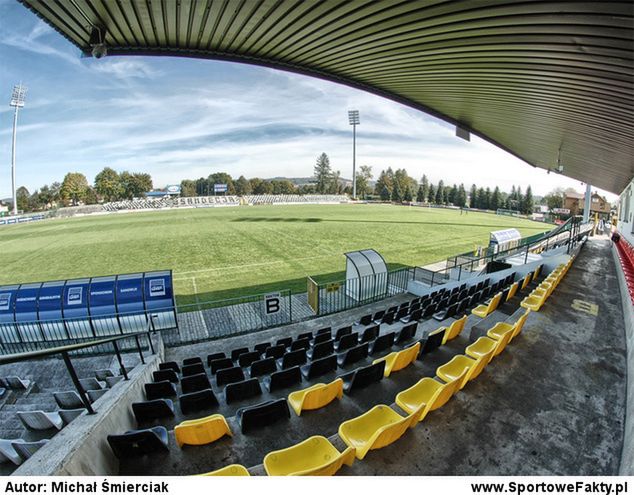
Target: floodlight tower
{"type": "Point", "coordinates": [17, 101]}
{"type": "Point", "coordinates": [353, 118]}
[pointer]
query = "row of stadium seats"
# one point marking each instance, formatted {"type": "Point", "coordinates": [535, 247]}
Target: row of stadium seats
{"type": "Point", "coordinates": [625, 252]}
{"type": "Point", "coordinates": [256, 416]}
{"type": "Point", "coordinates": [273, 199]}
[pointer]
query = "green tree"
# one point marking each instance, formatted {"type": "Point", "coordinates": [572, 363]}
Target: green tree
{"type": "Point", "coordinates": [334, 186]}
{"type": "Point", "coordinates": [322, 173]}
{"type": "Point", "coordinates": [22, 197]}
{"type": "Point", "coordinates": [385, 181]}
{"type": "Point", "coordinates": [440, 193]}
{"type": "Point", "coordinates": [407, 195]}
{"type": "Point", "coordinates": [496, 199]}
{"type": "Point", "coordinates": [481, 199]}
{"type": "Point", "coordinates": [397, 195]}
{"type": "Point", "coordinates": [188, 188]}
{"type": "Point", "coordinates": [432, 194]}
{"type": "Point", "coordinates": [243, 186]}
{"type": "Point", "coordinates": [221, 178]}
{"type": "Point", "coordinates": [424, 185]}
{"type": "Point", "coordinates": [385, 194]}
{"type": "Point", "coordinates": [473, 196]}
{"type": "Point", "coordinates": [263, 187]}
{"type": "Point", "coordinates": [420, 194]}
{"type": "Point", "coordinates": [487, 199]}
{"type": "Point", "coordinates": [527, 201]}
{"type": "Point", "coordinates": [108, 184]}
{"type": "Point", "coordinates": [452, 197]}
{"type": "Point", "coordinates": [74, 188]}
{"type": "Point", "coordinates": [364, 175]}
{"type": "Point", "coordinates": [91, 196]}
{"type": "Point", "coordinates": [461, 200]}
{"type": "Point", "coordinates": [135, 185]}
{"type": "Point", "coordinates": [554, 199]}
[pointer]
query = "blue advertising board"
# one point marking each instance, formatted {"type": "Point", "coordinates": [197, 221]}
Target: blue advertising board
{"type": "Point", "coordinates": [159, 299]}
{"type": "Point", "coordinates": [8, 331]}
{"type": "Point", "coordinates": [26, 312]}
{"type": "Point", "coordinates": [102, 306]}
{"type": "Point", "coordinates": [220, 188]}
{"type": "Point", "coordinates": [130, 306]}
{"type": "Point", "coordinates": [49, 310]}
{"type": "Point", "coordinates": [75, 308]}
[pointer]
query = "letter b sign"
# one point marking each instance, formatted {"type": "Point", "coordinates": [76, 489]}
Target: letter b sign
{"type": "Point", "coordinates": [272, 304]}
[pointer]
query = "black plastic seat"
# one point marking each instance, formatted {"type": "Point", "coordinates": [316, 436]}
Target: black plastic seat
{"type": "Point", "coordinates": [276, 351]}
{"type": "Point", "coordinates": [235, 354]}
{"type": "Point", "coordinates": [353, 355]}
{"type": "Point", "coordinates": [293, 358]}
{"type": "Point", "coordinates": [327, 330]}
{"type": "Point", "coordinates": [162, 375]}
{"type": "Point", "coordinates": [505, 294]}
{"type": "Point", "coordinates": [195, 383]}
{"type": "Point", "coordinates": [320, 367]}
{"type": "Point", "coordinates": [321, 350]}
{"type": "Point", "coordinates": [342, 332]}
{"type": "Point", "coordinates": [472, 290]}
{"type": "Point", "coordinates": [406, 333]}
{"type": "Point", "coordinates": [346, 342]}
{"type": "Point", "coordinates": [388, 319]}
{"type": "Point", "coordinates": [382, 343]}
{"type": "Point", "coordinates": [153, 409]}
{"type": "Point", "coordinates": [415, 315]}
{"type": "Point", "coordinates": [402, 313]}
{"type": "Point", "coordinates": [159, 390]}
{"type": "Point", "coordinates": [362, 377]}
{"type": "Point", "coordinates": [261, 348]}
{"type": "Point", "coordinates": [286, 341]}
{"type": "Point", "coordinates": [198, 401]}
{"type": "Point", "coordinates": [283, 379]}
{"type": "Point", "coordinates": [392, 309]}
{"type": "Point", "coordinates": [262, 367]}
{"type": "Point", "coordinates": [377, 316]}
{"type": "Point", "coordinates": [300, 344]}
{"type": "Point", "coordinates": [365, 320]}
{"type": "Point", "coordinates": [192, 360]}
{"type": "Point", "coordinates": [429, 311]}
{"type": "Point", "coordinates": [462, 307]}
{"type": "Point", "coordinates": [322, 337]}
{"type": "Point", "coordinates": [446, 313]}
{"type": "Point", "coordinates": [242, 390]}
{"type": "Point", "coordinates": [305, 335]}
{"type": "Point", "coordinates": [247, 358]}
{"type": "Point", "coordinates": [193, 369]}
{"type": "Point", "coordinates": [431, 343]}
{"type": "Point", "coordinates": [137, 443]}
{"type": "Point", "coordinates": [170, 365]}
{"type": "Point", "coordinates": [215, 356]}
{"type": "Point", "coordinates": [218, 364]}
{"type": "Point", "coordinates": [261, 415]}
{"type": "Point", "coordinates": [229, 375]}
{"type": "Point", "coordinates": [369, 334]}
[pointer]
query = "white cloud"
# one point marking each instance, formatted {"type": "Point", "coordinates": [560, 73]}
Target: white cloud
{"type": "Point", "coordinates": [122, 68]}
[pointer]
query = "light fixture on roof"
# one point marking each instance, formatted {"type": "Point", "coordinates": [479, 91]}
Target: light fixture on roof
{"type": "Point", "coordinates": [97, 42]}
{"type": "Point", "coordinates": [560, 166]}
{"type": "Point", "coordinates": [17, 101]}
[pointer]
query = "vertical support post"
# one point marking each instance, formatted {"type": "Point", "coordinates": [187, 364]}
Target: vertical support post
{"type": "Point", "coordinates": [586, 205]}
{"type": "Point", "coordinates": [138, 346]}
{"type": "Point", "coordinates": [116, 350]}
{"type": "Point", "coordinates": [354, 161]}
{"type": "Point", "coordinates": [149, 340]}
{"type": "Point", "coordinates": [13, 146]}
{"type": "Point", "coordinates": [78, 386]}
{"type": "Point", "coordinates": [526, 257]}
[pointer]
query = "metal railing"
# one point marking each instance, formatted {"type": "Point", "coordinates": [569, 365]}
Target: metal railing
{"type": "Point", "coordinates": [346, 294]}
{"type": "Point", "coordinates": [567, 234]}
{"type": "Point", "coordinates": [66, 351]}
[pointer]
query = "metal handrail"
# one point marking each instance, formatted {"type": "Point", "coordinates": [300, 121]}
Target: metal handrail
{"type": "Point", "coordinates": [64, 351]}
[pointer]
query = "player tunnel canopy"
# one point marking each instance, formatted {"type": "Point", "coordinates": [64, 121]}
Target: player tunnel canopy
{"type": "Point", "coordinates": [550, 82]}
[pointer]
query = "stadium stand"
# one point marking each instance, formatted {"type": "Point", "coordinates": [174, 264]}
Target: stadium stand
{"type": "Point", "coordinates": [315, 456]}
{"type": "Point", "coordinates": [316, 396]}
{"type": "Point", "coordinates": [289, 199]}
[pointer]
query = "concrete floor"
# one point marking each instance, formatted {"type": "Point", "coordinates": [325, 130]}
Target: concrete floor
{"type": "Point", "coordinates": [552, 403]}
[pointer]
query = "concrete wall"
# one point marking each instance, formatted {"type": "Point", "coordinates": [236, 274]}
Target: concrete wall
{"type": "Point", "coordinates": [625, 224]}
{"type": "Point", "coordinates": [627, 456]}
{"type": "Point", "coordinates": [81, 448]}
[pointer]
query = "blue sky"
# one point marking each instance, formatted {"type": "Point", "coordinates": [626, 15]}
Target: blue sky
{"type": "Point", "coordinates": [183, 118]}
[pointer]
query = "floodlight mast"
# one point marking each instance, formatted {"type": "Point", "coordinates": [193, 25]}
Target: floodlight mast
{"type": "Point", "coordinates": [353, 119]}
{"type": "Point", "coordinates": [17, 102]}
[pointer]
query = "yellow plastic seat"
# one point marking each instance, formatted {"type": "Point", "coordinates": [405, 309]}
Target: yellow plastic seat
{"type": "Point", "coordinates": [502, 341]}
{"type": "Point", "coordinates": [456, 367]}
{"type": "Point", "coordinates": [534, 303]}
{"type": "Point", "coordinates": [526, 281]}
{"type": "Point", "coordinates": [377, 428]}
{"type": "Point", "coordinates": [201, 431]}
{"type": "Point", "coordinates": [483, 310]}
{"type": "Point", "coordinates": [454, 329]}
{"type": "Point", "coordinates": [512, 291]}
{"type": "Point", "coordinates": [428, 394]}
{"type": "Point", "coordinates": [315, 456]}
{"type": "Point", "coordinates": [396, 361]}
{"type": "Point", "coordinates": [231, 470]}
{"type": "Point", "coordinates": [315, 397]}
{"type": "Point", "coordinates": [519, 324]}
{"type": "Point", "coordinates": [484, 346]}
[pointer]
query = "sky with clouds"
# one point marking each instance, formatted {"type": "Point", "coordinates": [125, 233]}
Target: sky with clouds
{"type": "Point", "coordinates": [179, 118]}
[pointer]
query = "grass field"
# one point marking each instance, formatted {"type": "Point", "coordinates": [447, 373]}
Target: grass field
{"type": "Point", "coordinates": [219, 253]}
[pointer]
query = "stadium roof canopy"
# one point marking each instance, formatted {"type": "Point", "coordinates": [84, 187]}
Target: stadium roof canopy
{"type": "Point", "coordinates": [550, 82]}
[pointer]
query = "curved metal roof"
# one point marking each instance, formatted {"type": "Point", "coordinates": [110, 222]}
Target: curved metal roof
{"type": "Point", "coordinates": [544, 80]}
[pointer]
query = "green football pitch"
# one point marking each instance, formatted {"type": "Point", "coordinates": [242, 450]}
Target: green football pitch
{"type": "Point", "coordinates": [219, 253]}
